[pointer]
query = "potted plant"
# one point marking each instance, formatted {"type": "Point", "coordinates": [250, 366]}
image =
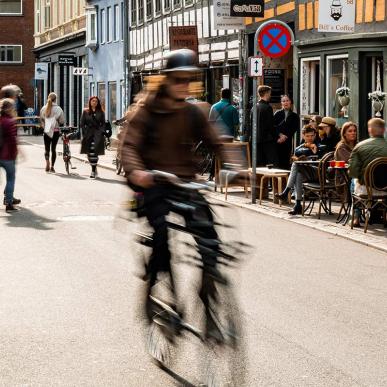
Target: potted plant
{"type": "Point", "coordinates": [343, 95]}
{"type": "Point", "coordinates": [378, 98]}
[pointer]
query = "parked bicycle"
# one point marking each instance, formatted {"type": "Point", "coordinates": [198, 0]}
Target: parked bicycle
{"type": "Point", "coordinates": [222, 353]}
{"type": "Point", "coordinates": [67, 133]}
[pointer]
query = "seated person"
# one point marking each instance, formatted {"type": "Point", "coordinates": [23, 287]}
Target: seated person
{"type": "Point", "coordinates": [366, 151]}
{"type": "Point", "coordinates": [329, 134]}
{"type": "Point", "coordinates": [300, 173]}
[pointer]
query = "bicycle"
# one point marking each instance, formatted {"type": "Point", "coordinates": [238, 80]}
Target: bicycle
{"type": "Point", "coordinates": [67, 133]}
{"type": "Point", "coordinates": [220, 338]}
{"type": "Point", "coordinates": [117, 160]}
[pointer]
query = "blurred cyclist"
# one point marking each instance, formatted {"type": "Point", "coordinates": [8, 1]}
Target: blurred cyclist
{"type": "Point", "coordinates": [159, 135]}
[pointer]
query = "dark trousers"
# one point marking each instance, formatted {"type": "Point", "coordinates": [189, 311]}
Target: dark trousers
{"type": "Point", "coordinates": [50, 143]}
{"type": "Point", "coordinates": [267, 153]}
{"type": "Point", "coordinates": [284, 152]}
{"type": "Point", "coordinates": [200, 222]}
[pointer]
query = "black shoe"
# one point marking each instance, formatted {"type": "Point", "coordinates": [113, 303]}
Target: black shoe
{"type": "Point", "coordinates": [283, 195]}
{"type": "Point", "coordinates": [52, 170]}
{"type": "Point", "coordinates": [14, 202]}
{"type": "Point", "coordinates": [10, 208]}
{"type": "Point", "coordinates": [297, 210]}
{"type": "Point", "coordinates": [92, 175]}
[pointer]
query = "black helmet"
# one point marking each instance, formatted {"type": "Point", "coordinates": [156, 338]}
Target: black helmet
{"type": "Point", "coordinates": [181, 60]}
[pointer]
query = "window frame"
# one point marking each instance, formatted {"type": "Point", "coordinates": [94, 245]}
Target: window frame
{"type": "Point", "coordinates": [37, 17]}
{"type": "Point", "coordinates": [13, 13]}
{"type": "Point", "coordinates": [133, 13]}
{"type": "Point", "coordinates": [109, 36]}
{"type": "Point", "coordinates": [91, 11]}
{"type": "Point", "coordinates": [102, 20]}
{"type": "Point", "coordinates": [160, 11]}
{"type": "Point", "coordinates": [117, 22]}
{"type": "Point", "coordinates": [140, 21]}
{"type": "Point", "coordinates": [179, 6]}
{"type": "Point", "coordinates": [150, 15]}
{"type": "Point", "coordinates": [189, 3]}
{"type": "Point", "coordinates": [167, 10]}
{"type": "Point", "coordinates": [12, 62]}
{"type": "Point", "coordinates": [47, 11]}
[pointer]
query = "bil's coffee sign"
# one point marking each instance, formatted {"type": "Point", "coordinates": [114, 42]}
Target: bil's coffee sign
{"type": "Point", "coordinates": [336, 16]}
{"type": "Point", "coordinates": [183, 37]}
{"type": "Point", "coordinates": [247, 8]}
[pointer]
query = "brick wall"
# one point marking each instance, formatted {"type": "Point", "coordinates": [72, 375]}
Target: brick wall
{"type": "Point", "coordinates": [20, 30]}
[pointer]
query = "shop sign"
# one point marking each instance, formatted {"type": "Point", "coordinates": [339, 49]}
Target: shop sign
{"type": "Point", "coordinates": [275, 39]}
{"type": "Point", "coordinates": [275, 78]}
{"type": "Point", "coordinates": [80, 71]}
{"type": "Point", "coordinates": [222, 18]}
{"type": "Point", "coordinates": [183, 37]}
{"type": "Point", "coordinates": [247, 8]}
{"type": "Point", "coordinates": [66, 60]}
{"type": "Point", "coordinates": [41, 71]}
{"type": "Point", "coordinates": [336, 16]}
{"type": "Point", "coordinates": [255, 66]}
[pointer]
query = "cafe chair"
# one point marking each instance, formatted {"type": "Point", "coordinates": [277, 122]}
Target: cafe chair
{"type": "Point", "coordinates": [375, 179]}
{"type": "Point", "coordinates": [323, 190]}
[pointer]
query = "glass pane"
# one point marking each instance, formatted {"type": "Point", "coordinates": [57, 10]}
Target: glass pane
{"type": "Point", "coordinates": [92, 27]}
{"type": "Point", "coordinates": [102, 94]}
{"type": "Point", "coordinates": [10, 6]}
{"type": "Point", "coordinates": [112, 101]}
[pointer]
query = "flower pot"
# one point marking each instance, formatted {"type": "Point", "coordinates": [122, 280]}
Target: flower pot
{"type": "Point", "coordinates": [377, 106]}
{"type": "Point", "coordinates": [344, 100]}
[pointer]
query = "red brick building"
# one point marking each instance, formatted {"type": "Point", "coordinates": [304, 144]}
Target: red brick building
{"type": "Point", "coordinates": [16, 44]}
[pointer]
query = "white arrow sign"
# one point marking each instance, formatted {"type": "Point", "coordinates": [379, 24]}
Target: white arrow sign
{"type": "Point", "coordinates": [80, 71]}
{"type": "Point", "coordinates": [255, 67]}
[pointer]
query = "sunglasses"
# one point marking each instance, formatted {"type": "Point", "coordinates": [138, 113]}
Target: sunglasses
{"type": "Point", "coordinates": [312, 120]}
{"type": "Point", "coordinates": [180, 80]}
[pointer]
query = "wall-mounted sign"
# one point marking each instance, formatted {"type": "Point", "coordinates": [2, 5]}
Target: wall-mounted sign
{"type": "Point", "coordinates": [66, 60]}
{"type": "Point", "coordinates": [222, 18]}
{"type": "Point", "coordinates": [80, 71]}
{"type": "Point", "coordinates": [41, 71]}
{"type": "Point", "coordinates": [247, 8]}
{"type": "Point", "coordinates": [275, 78]}
{"type": "Point", "coordinates": [255, 66]}
{"type": "Point", "coordinates": [336, 16]}
{"type": "Point", "coordinates": [183, 37]}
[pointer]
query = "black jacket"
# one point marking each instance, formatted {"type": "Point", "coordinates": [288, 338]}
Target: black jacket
{"type": "Point", "coordinates": [93, 126]}
{"type": "Point", "coordinates": [265, 122]}
{"type": "Point", "coordinates": [331, 141]}
{"type": "Point", "coordinates": [288, 126]}
{"type": "Point", "coordinates": [301, 150]}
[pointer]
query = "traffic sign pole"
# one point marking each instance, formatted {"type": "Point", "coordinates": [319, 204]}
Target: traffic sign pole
{"type": "Point", "coordinates": [254, 137]}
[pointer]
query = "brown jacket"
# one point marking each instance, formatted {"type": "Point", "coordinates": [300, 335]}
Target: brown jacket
{"type": "Point", "coordinates": [160, 135]}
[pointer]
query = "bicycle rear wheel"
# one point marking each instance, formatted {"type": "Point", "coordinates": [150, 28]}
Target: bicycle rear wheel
{"type": "Point", "coordinates": [67, 166]}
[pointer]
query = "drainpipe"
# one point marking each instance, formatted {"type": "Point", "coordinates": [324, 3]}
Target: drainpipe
{"type": "Point", "coordinates": [126, 56]}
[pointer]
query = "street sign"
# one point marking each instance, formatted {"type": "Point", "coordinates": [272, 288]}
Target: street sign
{"type": "Point", "coordinates": [183, 37]}
{"type": "Point", "coordinates": [337, 16]}
{"type": "Point", "coordinates": [247, 8]}
{"type": "Point", "coordinates": [275, 39]}
{"type": "Point", "coordinates": [41, 71]}
{"type": "Point", "coordinates": [80, 71]}
{"type": "Point", "coordinates": [255, 66]}
{"type": "Point", "coordinates": [222, 18]}
{"type": "Point", "coordinates": [66, 60]}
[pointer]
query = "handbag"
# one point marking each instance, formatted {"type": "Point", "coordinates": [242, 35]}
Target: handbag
{"type": "Point", "coordinates": [49, 125]}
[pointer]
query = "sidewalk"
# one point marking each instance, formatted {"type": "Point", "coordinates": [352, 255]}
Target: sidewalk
{"type": "Point", "coordinates": [376, 236]}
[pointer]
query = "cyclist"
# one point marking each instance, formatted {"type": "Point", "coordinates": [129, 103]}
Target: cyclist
{"type": "Point", "coordinates": [93, 126]}
{"type": "Point", "coordinates": [159, 134]}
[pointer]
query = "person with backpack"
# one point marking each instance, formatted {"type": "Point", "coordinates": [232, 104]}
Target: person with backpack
{"type": "Point", "coordinates": [93, 127]}
{"type": "Point", "coordinates": [225, 116]}
{"type": "Point", "coordinates": [8, 150]}
{"type": "Point", "coordinates": [51, 117]}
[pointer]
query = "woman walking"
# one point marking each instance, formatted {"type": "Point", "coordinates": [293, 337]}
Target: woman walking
{"type": "Point", "coordinates": [286, 123]}
{"type": "Point", "coordinates": [8, 150]}
{"type": "Point", "coordinates": [51, 117]}
{"type": "Point", "coordinates": [93, 126]}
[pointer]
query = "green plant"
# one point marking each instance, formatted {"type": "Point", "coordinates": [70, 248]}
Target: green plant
{"type": "Point", "coordinates": [343, 91]}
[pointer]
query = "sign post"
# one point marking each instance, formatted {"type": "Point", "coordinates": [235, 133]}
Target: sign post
{"type": "Point", "coordinates": [274, 38]}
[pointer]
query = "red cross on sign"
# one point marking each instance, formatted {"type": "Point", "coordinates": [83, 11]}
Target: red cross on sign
{"type": "Point", "coordinates": [275, 40]}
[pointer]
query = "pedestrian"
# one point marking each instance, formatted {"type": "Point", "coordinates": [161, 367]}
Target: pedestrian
{"type": "Point", "coordinates": [10, 91]}
{"type": "Point", "coordinates": [93, 127]}
{"type": "Point", "coordinates": [286, 123]}
{"type": "Point", "coordinates": [329, 134]}
{"type": "Point", "coordinates": [8, 150]}
{"type": "Point", "coordinates": [266, 135]}
{"type": "Point", "coordinates": [51, 117]}
{"type": "Point", "coordinates": [225, 116]}
{"type": "Point", "coordinates": [21, 105]}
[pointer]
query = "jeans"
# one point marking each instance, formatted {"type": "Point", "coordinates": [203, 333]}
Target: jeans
{"type": "Point", "coordinates": [10, 170]}
{"type": "Point", "coordinates": [295, 180]}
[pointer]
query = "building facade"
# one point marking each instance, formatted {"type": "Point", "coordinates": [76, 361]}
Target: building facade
{"type": "Point", "coordinates": [16, 43]}
{"type": "Point", "coordinates": [105, 43]}
{"type": "Point", "coordinates": [60, 39]}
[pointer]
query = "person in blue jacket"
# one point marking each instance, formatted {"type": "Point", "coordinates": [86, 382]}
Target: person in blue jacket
{"type": "Point", "coordinates": [297, 176]}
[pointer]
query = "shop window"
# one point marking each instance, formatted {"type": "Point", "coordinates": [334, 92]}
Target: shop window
{"type": "Point", "coordinates": [11, 7]}
{"type": "Point", "coordinates": [10, 54]}
{"type": "Point", "coordinates": [310, 86]}
{"type": "Point", "coordinates": [112, 101]}
{"type": "Point", "coordinates": [336, 70]}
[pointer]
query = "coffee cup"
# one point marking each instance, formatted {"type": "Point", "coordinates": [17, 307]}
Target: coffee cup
{"type": "Point", "coordinates": [340, 164]}
{"type": "Point", "coordinates": [332, 163]}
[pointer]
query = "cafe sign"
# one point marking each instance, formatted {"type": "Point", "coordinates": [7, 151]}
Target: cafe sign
{"type": "Point", "coordinates": [183, 37]}
{"type": "Point", "coordinates": [336, 16]}
{"type": "Point", "coordinates": [247, 8]}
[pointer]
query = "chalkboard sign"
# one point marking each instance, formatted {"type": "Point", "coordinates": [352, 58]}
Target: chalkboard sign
{"type": "Point", "coordinates": [275, 78]}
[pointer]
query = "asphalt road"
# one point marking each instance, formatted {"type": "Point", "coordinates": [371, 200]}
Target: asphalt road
{"type": "Point", "coordinates": [314, 306]}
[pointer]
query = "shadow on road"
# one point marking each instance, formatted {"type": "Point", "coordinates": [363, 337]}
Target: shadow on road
{"type": "Point", "coordinates": [28, 219]}
{"type": "Point", "coordinates": [74, 176]}
{"type": "Point", "coordinates": [179, 379]}
{"type": "Point", "coordinates": [111, 181]}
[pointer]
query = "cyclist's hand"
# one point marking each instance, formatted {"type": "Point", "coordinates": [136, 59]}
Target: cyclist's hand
{"type": "Point", "coordinates": [142, 178]}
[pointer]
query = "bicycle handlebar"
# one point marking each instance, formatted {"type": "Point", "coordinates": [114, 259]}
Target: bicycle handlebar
{"type": "Point", "coordinates": [166, 177]}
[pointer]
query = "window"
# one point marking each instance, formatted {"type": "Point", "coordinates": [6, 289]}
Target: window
{"type": "Point", "coordinates": [103, 26]}
{"type": "Point", "coordinates": [91, 27]}
{"type": "Point", "coordinates": [157, 7]}
{"type": "Point", "coordinates": [11, 7]}
{"type": "Point", "coordinates": [167, 5]}
{"type": "Point", "coordinates": [112, 101]}
{"type": "Point", "coordinates": [123, 24]}
{"type": "Point", "coordinates": [188, 3]}
{"type": "Point", "coordinates": [116, 24]}
{"type": "Point", "coordinates": [176, 4]}
{"type": "Point", "coordinates": [108, 24]}
{"type": "Point", "coordinates": [10, 54]}
{"type": "Point", "coordinates": [310, 86]}
{"type": "Point", "coordinates": [140, 11]}
{"type": "Point", "coordinates": [102, 94]}
{"type": "Point", "coordinates": [337, 65]}
{"type": "Point", "coordinates": [149, 9]}
{"type": "Point", "coordinates": [47, 15]}
{"type": "Point", "coordinates": [133, 11]}
{"type": "Point", "coordinates": [37, 16]}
